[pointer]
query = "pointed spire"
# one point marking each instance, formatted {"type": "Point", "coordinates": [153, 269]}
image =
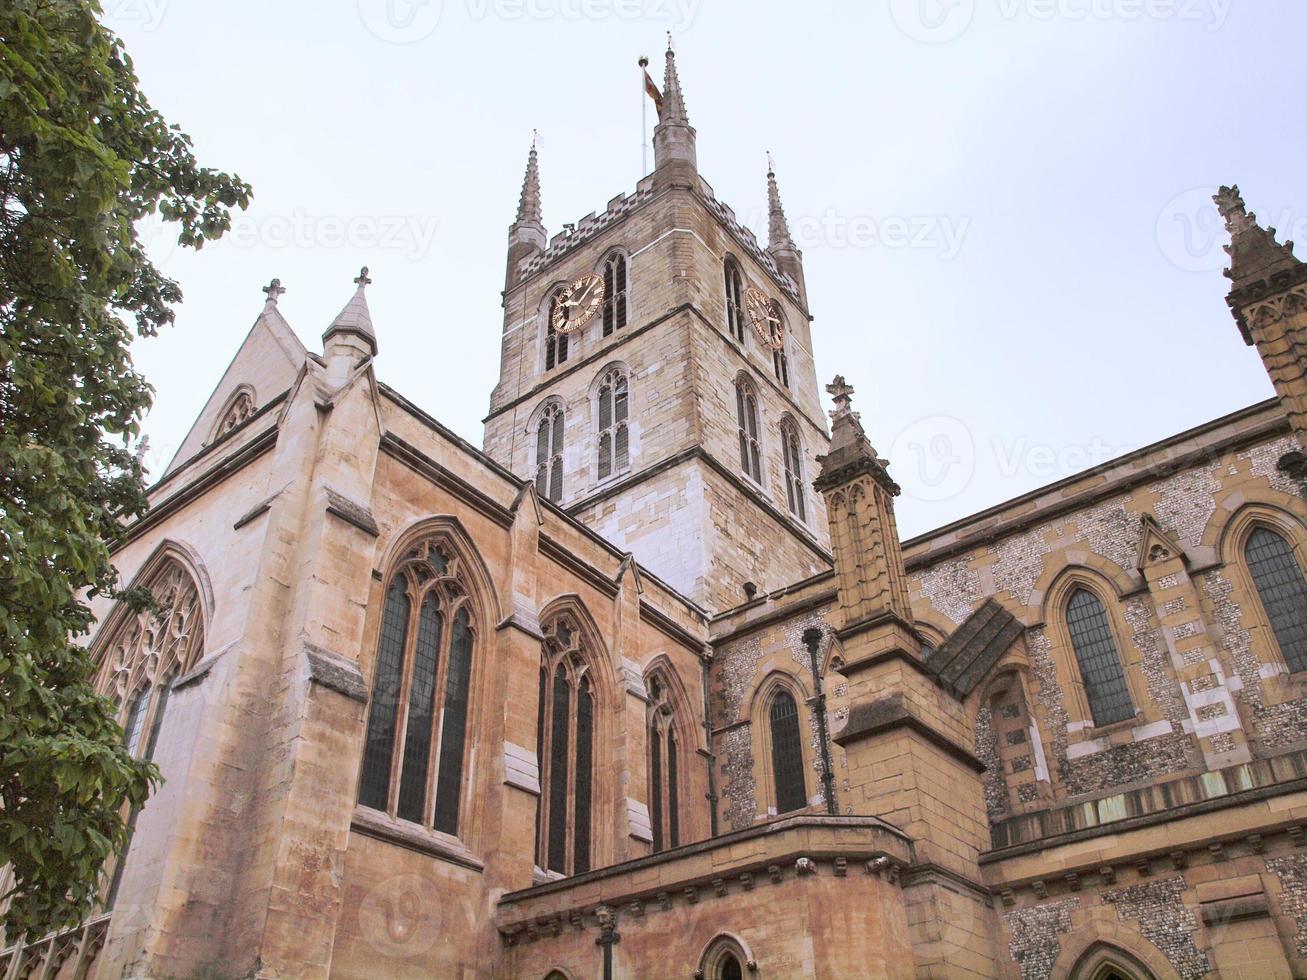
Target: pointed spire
{"type": "Point", "coordinates": [851, 452]}
{"type": "Point", "coordinates": [273, 291]}
{"type": "Point", "coordinates": [673, 136]}
{"type": "Point", "coordinates": [778, 229]}
{"type": "Point", "coordinates": [673, 101]}
{"type": "Point", "coordinates": [528, 205]}
{"type": "Point", "coordinates": [355, 318]}
{"type": "Point", "coordinates": [1254, 253]}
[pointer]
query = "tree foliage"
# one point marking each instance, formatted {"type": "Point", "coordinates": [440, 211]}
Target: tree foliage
{"type": "Point", "coordinates": [83, 157]}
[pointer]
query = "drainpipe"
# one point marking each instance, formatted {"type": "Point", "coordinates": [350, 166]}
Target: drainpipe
{"type": "Point", "coordinates": [608, 937]}
{"type": "Point", "coordinates": [712, 757]}
{"type": "Point", "coordinates": [812, 640]}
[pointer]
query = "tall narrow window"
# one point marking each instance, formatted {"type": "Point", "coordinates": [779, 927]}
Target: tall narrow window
{"type": "Point", "coordinates": [781, 365]}
{"type": "Point", "coordinates": [566, 729]}
{"type": "Point", "coordinates": [423, 675]}
{"type": "Point", "coordinates": [734, 300]}
{"type": "Point", "coordinates": [746, 409]}
{"type": "Point", "coordinates": [664, 793]}
{"type": "Point", "coordinates": [555, 342]}
{"type": "Point", "coordinates": [614, 439]}
{"type": "Point", "coordinates": [1279, 581]}
{"type": "Point", "coordinates": [1100, 664]}
{"type": "Point", "coordinates": [787, 754]}
{"type": "Point", "coordinates": [793, 455]}
{"type": "Point", "coordinates": [549, 453]}
{"type": "Point", "coordinates": [614, 293]}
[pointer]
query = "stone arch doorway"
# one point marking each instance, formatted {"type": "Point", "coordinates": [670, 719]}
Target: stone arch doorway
{"type": "Point", "coordinates": [1105, 962]}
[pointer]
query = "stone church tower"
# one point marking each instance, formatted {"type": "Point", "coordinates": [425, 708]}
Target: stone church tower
{"type": "Point", "coordinates": [689, 446]}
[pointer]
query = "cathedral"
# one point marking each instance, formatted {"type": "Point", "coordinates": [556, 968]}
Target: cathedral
{"type": "Point", "coordinates": [648, 686]}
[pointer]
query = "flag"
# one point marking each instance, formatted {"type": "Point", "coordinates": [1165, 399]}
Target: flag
{"type": "Point", "coordinates": [652, 91]}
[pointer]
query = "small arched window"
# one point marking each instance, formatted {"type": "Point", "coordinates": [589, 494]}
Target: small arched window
{"type": "Point", "coordinates": [555, 342]}
{"type": "Point", "coordinates": [1283, 592]}
{"type": "Point", "coordinates": [787, 753]}
{"type": "Point", "coordinates": [779, 359]}
{"type": "Point", "coordinates": [614, 437]}
{"type": "Point", "coordinates": [664, 765]}
{"type": "Point", "coordinates": [413, 756]}
{"type": "Point", "coordinates": [1100, 664]}
{"type": "Point", "coordinates": [565, 731]}
{"type": "Point", "coordinates": [614, 293]}
{"type": "Point", "coordinates": [549, 453]}
{"type": "Point", "coordinates": [746, 409]}
{"type": "Point", "coordinates": [725, 959]}
{"type": "Point", "coordinates": [238, 412]}
{"type": "Point", "coordinates": [734, 299]}
{"type": "Point", "coordinates": [792, 452]}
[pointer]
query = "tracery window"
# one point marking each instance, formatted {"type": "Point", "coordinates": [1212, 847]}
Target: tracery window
{"type": "Point", "coordinates": [413, 758]}
{"type": "Point", "coordinates": [781, 365]}
{"type": "Point", "coordinates": [238, 413]}
{"type": "Point", "coordinates": [555, 342]}
{"type": "Point", "coordinates": [549, 453]}
{"type": "Point", "coordinates": [787, 753]}
{"type": "Point", "coordinates": [614, 438]}
{"type": "Point", "coordinates": [147, 652]}
{"type": "Point", "coordinates": [746, 410]}
{"type": "Point", "coordinates": [664, 763]}
{"type": "Point", "coordinates": [614, 293]}
{"type": "Point", "coordinates": [793, 456]}
{"type": "Point", "coordinates": [1100, 663]}
{"type": "Point", "coordinates": [1283, 592]}
{"type": "Point", "coordinates": [734, 299]}
{"type": "Point", "coordinates": [565, 734]}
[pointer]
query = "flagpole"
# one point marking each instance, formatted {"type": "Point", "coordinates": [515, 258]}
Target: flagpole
{"type": "Point", "coordinates": [644, 120]}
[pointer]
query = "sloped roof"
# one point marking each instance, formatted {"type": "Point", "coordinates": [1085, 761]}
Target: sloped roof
{"type": "Point", "coordinates": [963, 660]}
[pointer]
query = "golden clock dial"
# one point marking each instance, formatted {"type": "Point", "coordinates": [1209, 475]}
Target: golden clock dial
{"type": "Point", "coordinates": [765, 316]}
{"type": "Point", "coordinates": [577, 304]}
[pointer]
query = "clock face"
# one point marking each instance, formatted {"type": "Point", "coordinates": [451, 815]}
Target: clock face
{"type": "Point", "coordinates": [765, 316]}
{"type": "Point", "coordinates": [577, 304]}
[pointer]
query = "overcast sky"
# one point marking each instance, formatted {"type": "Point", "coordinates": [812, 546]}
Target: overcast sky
{"type": "Point", "coordinates": [1004, 205]}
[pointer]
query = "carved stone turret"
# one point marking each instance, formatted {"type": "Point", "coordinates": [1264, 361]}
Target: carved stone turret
{"type": "Point", "coordinates": [526, 236]}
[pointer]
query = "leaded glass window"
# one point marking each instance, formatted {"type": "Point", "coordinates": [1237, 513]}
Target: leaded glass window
{"type": "Point", "coordinates": [1280, 586]}
{"type": "Point", "coordinates": [787, 754]}
{"type": "Point", "coordinates": [421, 692]}
{"type": "Point", "coordinates": [793, 456]}
{"type": "Point", "coordinates": [565, 728]}
{"type": "Point", "coordinates": [555, 342]}
{"type": "Point", "coordinates": [1100, 663]}
{"type": "Point", "coordinates": [664, 793]}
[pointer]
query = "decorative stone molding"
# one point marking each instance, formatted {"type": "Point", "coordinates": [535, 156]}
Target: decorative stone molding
{"type": "Point", "coordinates": [351, 512]}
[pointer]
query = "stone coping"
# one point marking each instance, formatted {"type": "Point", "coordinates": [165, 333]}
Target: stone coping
{"type": "Point", "coordinates": [1169, 800]}
{"type": "Point", "coordinates": [779, 849]}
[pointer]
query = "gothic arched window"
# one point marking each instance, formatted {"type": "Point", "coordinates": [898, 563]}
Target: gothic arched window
{"type": "Point", "coordinates": [746, 410]}
{"type": "Point", "coordinates": [614, 439]}
{"type": "Point", "coordinates": [787, 753]}
{"type": "Point", "coordinates": [792, 452]}
{"type": "Point", "coordinates": [549, 453]}
{"type": "Point", "coordinates": [734, 299]}
{"type": "Point", "coordinates": [614, 293]}
{"type": "Point", "coordinates": [144, 656]}
{"type": "Point", "coordinates": [1283, 592]}
{"type": "Point", "coordinates": [664, 763]}
{"type": "Point", "coordinates": [1100, 664]}
{"type": "Point", "coordinates": [779, 359]}
{"type": "Point", "coordinates": [565, 733]}
{"type": "Point", "coordinates": [555, 342]}
{"type": "Point", "coordinates": [413, 757]}
{"type": "Point", "coordinates": [238, 411]}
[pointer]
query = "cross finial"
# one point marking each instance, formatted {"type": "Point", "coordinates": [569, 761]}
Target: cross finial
{"type": "Point", "coordinates": [670, 46]}
{"type": "Point", "coordinates": [771, 169]}
{"type": "Point", "coordinates": [842, 392]}
{"type": "Point", "coordinates": [363, 279]}
{"type": "Point", "coordinates": [535, 139]}
{"type": "Point", "coordinates": [274, 290]}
